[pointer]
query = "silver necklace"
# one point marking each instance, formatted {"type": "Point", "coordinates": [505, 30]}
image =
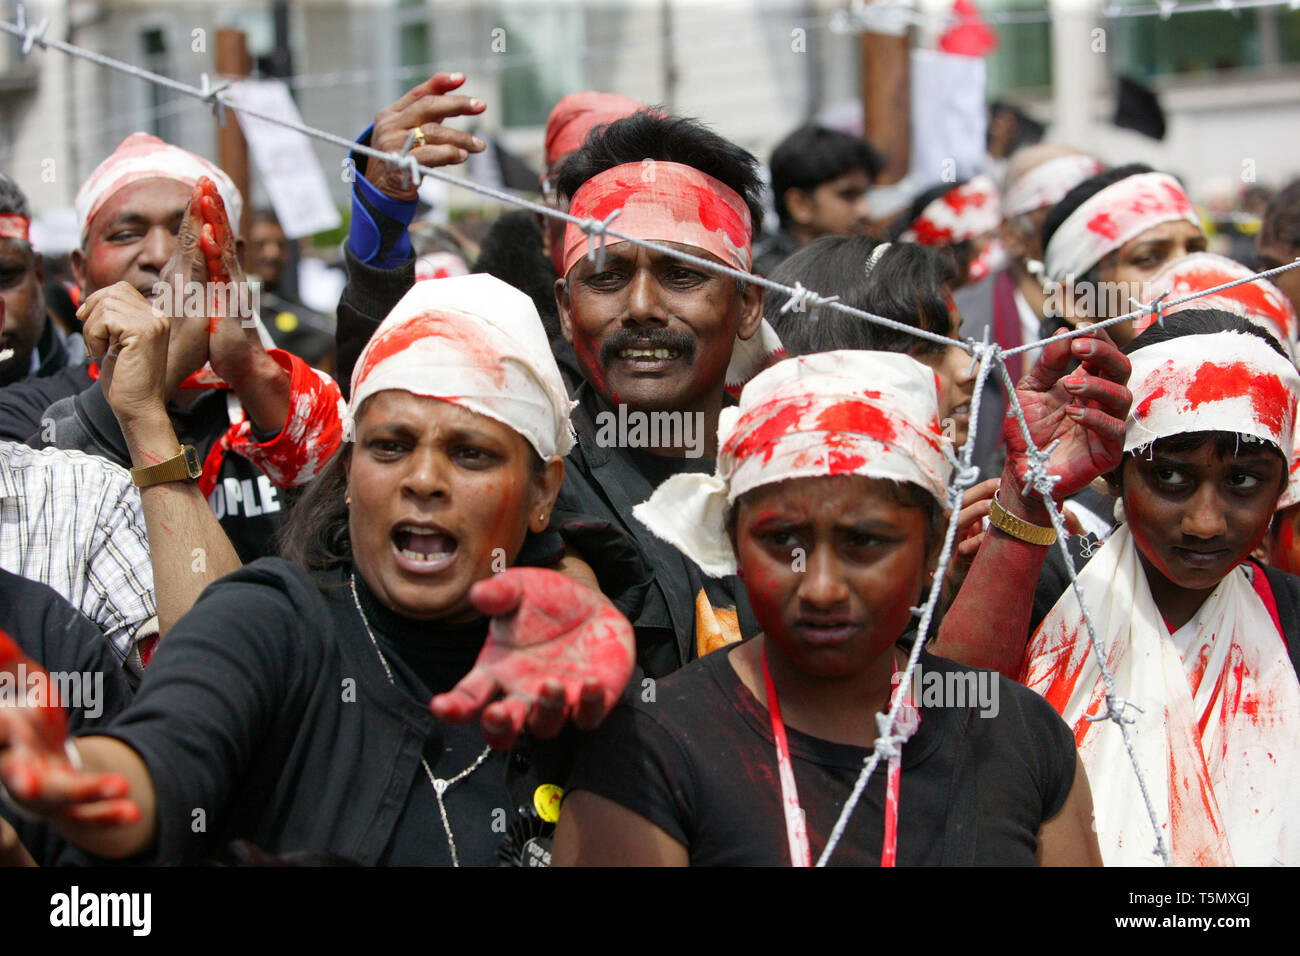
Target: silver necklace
{"type": "Point", "coordinates": [440, 786]}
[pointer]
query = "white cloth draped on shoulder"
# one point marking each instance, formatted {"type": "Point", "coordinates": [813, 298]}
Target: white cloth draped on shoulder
{"type": "Point", "coordinates": [1216, 736]}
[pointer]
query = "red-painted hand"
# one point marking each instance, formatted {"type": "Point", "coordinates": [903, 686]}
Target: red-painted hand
{"type": "Point", "coordinates": [1084, 410]}
{"type": "Point", "coordinates": [34, 764]}
{"type": "Point", "coordinates": [557, 650]}
{"type": "Point", "coordinates": [234, 346]}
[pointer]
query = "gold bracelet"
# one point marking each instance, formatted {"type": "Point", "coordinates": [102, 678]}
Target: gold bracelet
{"type": "Point", "coordinates": [1019, 528]}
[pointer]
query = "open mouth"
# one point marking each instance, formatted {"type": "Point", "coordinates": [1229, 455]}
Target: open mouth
{"type": "Point", "coordinates": [649, 354]}
{"type": "Point", "coordinates": [422, 548]}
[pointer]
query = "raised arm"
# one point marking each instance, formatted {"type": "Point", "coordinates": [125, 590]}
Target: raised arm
{"type": "Point", "coordinates": [1084, 412]}
{"type": "Point", "coordinates": [379, 253]}
{"type": "Point", "coordinates": [187, 548]}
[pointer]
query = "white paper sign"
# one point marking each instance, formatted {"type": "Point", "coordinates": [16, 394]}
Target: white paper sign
{"type": "Point", "coordinates": [949, 117]}
{"type": "Point", "coordinates": [290, 170]}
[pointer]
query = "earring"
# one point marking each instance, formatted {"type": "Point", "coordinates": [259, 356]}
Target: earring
{"type": "Point", "coordinates": [347, 499]}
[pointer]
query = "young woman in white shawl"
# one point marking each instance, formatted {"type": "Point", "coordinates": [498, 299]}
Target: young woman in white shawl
{"type": "Point", "coordinates": [1190, 632]}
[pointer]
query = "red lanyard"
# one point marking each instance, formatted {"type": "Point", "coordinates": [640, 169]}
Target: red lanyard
{"type": "Point", "coordinates": [796, 827]}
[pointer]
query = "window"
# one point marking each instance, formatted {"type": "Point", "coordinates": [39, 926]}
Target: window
{"type": "Point", "coordinates": [160, 112]}
{"type": "Point", "coordinates": [544, 56]}
{"type": "Point", "coordinates": [1023, 59]}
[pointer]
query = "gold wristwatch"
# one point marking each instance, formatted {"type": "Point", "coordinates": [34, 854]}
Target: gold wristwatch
{"type": "Point", "coordinates": [1019, 528]}
{"type": "Point", "coordinates": [183, 466]}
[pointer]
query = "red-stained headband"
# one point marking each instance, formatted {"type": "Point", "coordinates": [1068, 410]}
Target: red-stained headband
{"type": "Point", "coordinates": [14, 226]}
{"type": "Point", "coordinates": [664, 202]}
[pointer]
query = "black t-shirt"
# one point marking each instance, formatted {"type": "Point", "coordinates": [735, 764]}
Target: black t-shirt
{"type": "Point", "coordinates": [268, 709]}
{"type": "Point", "coordinates": [700, 763]}
{"type": "Point", "coordinates": [62, 640]}
{"type": "Point", "coordinates": [648, 579]}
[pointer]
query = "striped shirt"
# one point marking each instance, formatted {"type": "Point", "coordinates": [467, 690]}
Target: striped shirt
{"type": "Point", "coordinates": [74, 522]}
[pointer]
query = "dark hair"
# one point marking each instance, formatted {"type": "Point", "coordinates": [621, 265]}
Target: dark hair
{"type": "Point", "coordinates": [263, 214]}
{"type": "Point", "coordinates": [12, 198]}
{"type": "Point", "coordinates": [1081, 193]}
{"type": "Point", "coordinates": [512, 252]}
{"type": "Point", "coordinates": [666, 139]}
{"type": "Point", "coordinates": [315, 532]}
{"type": "Point", "coordinates": [1282, 217]}
{"type": "Point", "coordinates": [906, 285]}
{"type": "Point", "coordinates": [813, 155]}
{"type": "Point", "coordinates": [1201, 322]}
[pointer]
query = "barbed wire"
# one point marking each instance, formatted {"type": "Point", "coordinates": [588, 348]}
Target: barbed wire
{"type": "Point", "coordinates": [987, 355]}
{"type": "Point", "coordinates": [861, 16]}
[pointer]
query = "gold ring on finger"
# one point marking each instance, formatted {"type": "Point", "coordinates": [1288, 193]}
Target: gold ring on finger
{"type": "Point", "coordinates": [418, 133]}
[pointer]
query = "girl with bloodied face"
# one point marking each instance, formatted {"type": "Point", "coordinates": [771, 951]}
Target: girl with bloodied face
{"type": "Point", "coordinates": [827, 500]}
{"type": "Point", "coordinates": [1196, 637]}
{"type": "Point", "coordinates": [291, 706]}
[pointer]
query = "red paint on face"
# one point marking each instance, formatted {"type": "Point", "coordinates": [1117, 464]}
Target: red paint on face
{"type": "Point", "coordinates": [864, 561]}
{"type": "Point", "coordinates": [422, 460]}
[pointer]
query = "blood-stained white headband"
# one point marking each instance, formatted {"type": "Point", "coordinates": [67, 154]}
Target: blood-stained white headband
{"type": "Point", "coordinates": [476, 342]}
{"type": "Point", "coordinates": [1221, 382]}
{"type": "Point", "coordinates": [141, 156]}
{"type": "Point", "coordinates": [1111, 217]}
{"type": "Point", "coordinates": [848, 412]}
{"type": "Point", "coordinates": [1258, 301]}
{"type": "Point", "coordinates": [1047, 183]}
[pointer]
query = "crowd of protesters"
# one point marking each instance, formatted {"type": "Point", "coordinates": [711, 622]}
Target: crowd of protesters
{"type": "Point", "coordinates": [601, 557]}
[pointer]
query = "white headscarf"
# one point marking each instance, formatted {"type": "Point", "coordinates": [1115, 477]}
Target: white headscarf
{"type": "Point", "coordinates": [1111, 217]}
{"type": "Point", "coordinates": [849, 412]}
{"type": "Point", "coordinates": [478, 343]}
{"type": "Point", "coordinates": [140, 157]}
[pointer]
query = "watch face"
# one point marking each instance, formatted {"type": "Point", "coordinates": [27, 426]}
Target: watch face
{"type": "Point", "coordinates": [192, 461]}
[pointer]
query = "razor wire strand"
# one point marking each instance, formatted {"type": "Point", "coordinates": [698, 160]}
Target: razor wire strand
{"type": "Point", "coordinates": [1038, 477]}
{"type": "Point", "coordinates": [215, 96]}
{"type": "Point", "coordinates": [964, 474]}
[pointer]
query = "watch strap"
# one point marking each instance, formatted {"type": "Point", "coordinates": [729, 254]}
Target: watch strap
{"type": "Point", "coordinates": [1019, 528]}
{"type": "Point", "coordinates": [183, 466]}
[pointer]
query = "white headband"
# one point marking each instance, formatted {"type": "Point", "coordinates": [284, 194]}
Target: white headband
{"type": "Point", "coordinates": [849, 412]}
{"type": "Point", "coordinates": [1221, 382]}
{"type": "Point", "coordinates": [140, 157]}
{"type": "Point", "coordinates": [475, 342]}
{"type": "Point", "coordinates": [1110, 218]}
{"type": "Point", "coordinates": [1047, 183]}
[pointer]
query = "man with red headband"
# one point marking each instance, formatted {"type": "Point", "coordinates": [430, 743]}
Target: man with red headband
{"type": "Point", "coordinates": [652, 336]}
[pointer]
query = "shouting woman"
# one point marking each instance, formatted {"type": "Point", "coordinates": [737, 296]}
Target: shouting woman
{"type": "Point", "coordinates": [290, 707]}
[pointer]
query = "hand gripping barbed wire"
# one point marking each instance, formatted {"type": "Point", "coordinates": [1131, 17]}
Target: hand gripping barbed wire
{"type": "Point", "coordinates": [1040, 480]}
{"type": "Point", "coordinates": [965, 474]}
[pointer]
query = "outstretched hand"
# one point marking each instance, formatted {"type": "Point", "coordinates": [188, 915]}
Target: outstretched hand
{"type": "Point", "coordinates": [424, 106]}
{"type": "Point", "coordinates": [34, 762]}
{"type": "Point", "coordinates": [556, 650]}
{"type": "Point", "coordinates": [1083, 411]}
